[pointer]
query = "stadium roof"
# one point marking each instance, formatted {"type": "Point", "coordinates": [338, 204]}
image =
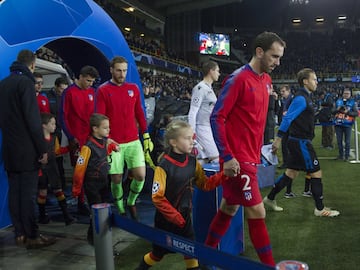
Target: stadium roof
{"type": "Point", "coordinates": [275, 14]}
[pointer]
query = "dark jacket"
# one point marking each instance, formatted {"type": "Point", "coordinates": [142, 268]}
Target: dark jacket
{"type": "Point", "coordinates": [303, 126]}
{"type": "Point", "coordinates": [23, 140]}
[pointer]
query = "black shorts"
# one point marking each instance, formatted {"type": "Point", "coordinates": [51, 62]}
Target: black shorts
{"type": "Point", "coordinates": [96, 190]}
{"type": "Point", "coordinates": [50, 176]}
{"type": "Point", "coordinates": [302, 156]}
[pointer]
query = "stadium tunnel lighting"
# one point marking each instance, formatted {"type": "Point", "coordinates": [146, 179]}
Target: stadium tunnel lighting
{"type": "Point", "coordinates": [296, 21]}
{"type": "Point", "coordinates": [128, 29]}
{"type": "Point", "coordinates": [342, 17]}
{"type": "Point", "coordinates": [129, 9]}
{"type": "Point", "coordinates": [299, 2]}
{"type": "Point", "coordinates": [319, 19]}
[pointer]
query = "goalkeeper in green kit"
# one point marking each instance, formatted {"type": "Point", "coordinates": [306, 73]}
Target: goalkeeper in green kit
{"type": "Point", "coordinates": [120, 101]}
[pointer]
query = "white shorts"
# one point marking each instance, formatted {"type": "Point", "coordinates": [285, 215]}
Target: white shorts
{"type": "Point", "coordinates": [207, 147]}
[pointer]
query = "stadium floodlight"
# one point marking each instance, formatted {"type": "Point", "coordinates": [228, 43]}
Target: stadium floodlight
{"type": "Point", "coordinates": [299, 2]}
{"type": "Point", "coordinates": [129, 9]}
{"type": "Point", "coordinates": [320, 19]}
{"type": "Point", "coordinates": [342, 17]}
{"type": "Point", "coordinates": [296, 21]}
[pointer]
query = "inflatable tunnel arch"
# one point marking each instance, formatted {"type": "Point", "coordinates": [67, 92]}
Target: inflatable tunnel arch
{"type": "Point", "coordinates": [80, 32]}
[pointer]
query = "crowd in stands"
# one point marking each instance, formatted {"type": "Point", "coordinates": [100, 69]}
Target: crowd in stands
{"type": "Point", "coordinates": [162, 84]}
{"type": "Point", "coordinates": [49, 55]}
{"type": "Point", "coordinates": [165, 85]}
{"type": "Point", "coordinates": [335, 53]}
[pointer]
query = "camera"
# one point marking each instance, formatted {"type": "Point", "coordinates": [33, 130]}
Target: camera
{"type": "Point", "coordinates": [342, 109]}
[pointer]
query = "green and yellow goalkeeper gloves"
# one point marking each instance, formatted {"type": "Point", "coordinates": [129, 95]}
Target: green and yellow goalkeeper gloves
{"type": "Point", "coordinates": [148, 144]}
{"type": "Point", "coordinates": [148, 148]}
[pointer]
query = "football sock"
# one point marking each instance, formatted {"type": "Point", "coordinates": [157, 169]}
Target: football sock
{"type": "Point", "coordinates": [60, 196]}
{"type": "Point", "coordinates": [41, 199]}
{"type": "Point", "coordinates": [218, 228]}
{"type": "Point", "coordinates": [317, 191]}
{"type": "Point", "coordinates": [289, 187]}
{"type": "Point", "coordinates": [191, 263]}
{"type": "Point", "coordinates": [307, 182]}
{"type": "Point", "coordinates": [135, 189]}
{"type": "Point", "coordinates": [260, 239]}
{"type": "Point", "coordinates": [117, 193]}
{"type": "Point", "coordinates": [282, 181]}
{"type": "Point", "coordinates": [150, 259]}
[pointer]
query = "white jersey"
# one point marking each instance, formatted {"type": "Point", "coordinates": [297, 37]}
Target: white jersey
{"type": "Point", "coordinates": [203, 100]}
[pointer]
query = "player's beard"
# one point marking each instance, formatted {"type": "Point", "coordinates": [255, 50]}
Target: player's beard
{"type": "Point", "coordinates": [118, 80]}
{"type": "Point", "coordinates": [265, 67]}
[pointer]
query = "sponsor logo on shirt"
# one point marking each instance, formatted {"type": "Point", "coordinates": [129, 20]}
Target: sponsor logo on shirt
{"type": "Point", "coordinates": [131, 93]}
{"type": "Point", "coordinates": [91, 97]}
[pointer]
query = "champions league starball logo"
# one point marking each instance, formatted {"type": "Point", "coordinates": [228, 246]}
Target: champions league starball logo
{"type": "Point", "coordinates": [80, 160]}
{"type": "Point", "coordinates": [155, 187]}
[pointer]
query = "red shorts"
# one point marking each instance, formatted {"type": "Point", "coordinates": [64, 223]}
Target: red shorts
{"type": "Point", "coordinates": [244, 188]}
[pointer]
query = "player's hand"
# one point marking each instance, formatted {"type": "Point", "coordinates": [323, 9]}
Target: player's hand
{"type": "Point", "coordinates": [194, 151]}
{"type": "Point", "coordinates": [276, 145]}
{"type": "Point", "coordinates": [231, 168]}
{"type": "Point", "coordinates": [179, 220]}
{"type": "Point", "coordinates": [44, 158]}
{"type": "Point", "coordinates": [73, 144]}
{"type": "Point", "coordinates": [148, 144]}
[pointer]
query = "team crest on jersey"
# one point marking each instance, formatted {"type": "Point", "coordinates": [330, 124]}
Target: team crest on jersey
{"type": "Point", "coordinates": [131, 93]}
{"type": "Point", "coordinates": [155, 187]}
{"type": "Point", "coordinates": [91, 97]}
{"type": "Point", "coordinates": [269, 88]}
{"type": "Point", "coordinates": [196, 100]}
{"type": "Point", "coordinates": [316, 162]}
{"type": "Point", "coordinates": [248, 195]}
{"type": "Point", "coordinates": [80, 160]}
{"type": "Point", "coordinates": [43, 102]}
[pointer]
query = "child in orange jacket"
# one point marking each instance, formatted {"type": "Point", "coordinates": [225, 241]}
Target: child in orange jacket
{"type": "Point", "coordinates": [91, 169]}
